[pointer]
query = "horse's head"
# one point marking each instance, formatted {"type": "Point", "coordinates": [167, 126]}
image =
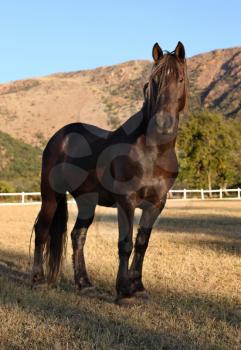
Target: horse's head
{"type": "Point", "coordinates": [166, 91]}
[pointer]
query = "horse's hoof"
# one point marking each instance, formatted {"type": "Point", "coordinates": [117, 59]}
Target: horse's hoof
{"type": "Point", "coordinates": [40, 285]}
{"type": "Point", "coordinates": [87, 290]}
{"type": "Point", "coordinates": [142, 294]}
{"type": "Point", "coordinates": [126, 301]}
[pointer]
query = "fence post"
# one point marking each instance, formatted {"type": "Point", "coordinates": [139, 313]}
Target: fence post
{"type": "Point", "coordinates": [22, 197]}
{"type": "Point", "coordinates": [220, 193]}
{"type": "Point", "coordinates": [238, 192]}
{"type": "Point", "coordinates": [184, 194]}
{"type": "Point", "coordinates": [202, 194]}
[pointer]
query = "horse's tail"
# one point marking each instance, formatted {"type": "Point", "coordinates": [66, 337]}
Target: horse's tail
{"type": "Point", "coordinates": [56, 245]}
{"type": "Point", "coordinates": [30, 240]}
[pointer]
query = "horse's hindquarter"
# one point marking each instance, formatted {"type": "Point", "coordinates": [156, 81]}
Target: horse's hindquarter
{"type": "Point", "coordinates": [71, 155]}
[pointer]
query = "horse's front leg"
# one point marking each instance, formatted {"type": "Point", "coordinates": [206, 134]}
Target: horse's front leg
{"type": "Point", "coordinates": [149, 215]}
{"type": "Point", "coordinates": [124, 285]}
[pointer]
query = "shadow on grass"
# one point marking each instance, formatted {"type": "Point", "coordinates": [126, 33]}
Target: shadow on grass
{"type": "Point", "coordinates": [232, 247]}
{"type": "Point", "coordinates": [228, 227]}
{"type": "Point", "coordinates": [224, 231]}
{"type": "Point", "coordinates": [106, 325]}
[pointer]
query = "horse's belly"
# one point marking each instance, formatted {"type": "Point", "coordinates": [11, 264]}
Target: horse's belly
{"type": "Point", "coordinates": [106, 201]}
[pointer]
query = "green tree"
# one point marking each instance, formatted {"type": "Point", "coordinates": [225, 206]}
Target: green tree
{"type": "Point", "coordinates": [207, 144]}
{"type": "Point", "coordinates": [6, 187]}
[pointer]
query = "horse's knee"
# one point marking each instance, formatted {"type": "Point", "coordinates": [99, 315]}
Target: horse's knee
{"type": "Point", "coordinates": [125, 247]}
{"type": "Point", "coordinates": [142, 240]}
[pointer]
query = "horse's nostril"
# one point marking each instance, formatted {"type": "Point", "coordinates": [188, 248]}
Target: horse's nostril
{"type": "Point", "coordinates": [165, 123]}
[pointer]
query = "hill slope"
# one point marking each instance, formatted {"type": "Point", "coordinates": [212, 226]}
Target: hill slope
{"type": "Point", "coordinates": [32, 110]}
{"type": "Point", "coordinates": [215, 78]}
{"type": "Point", "coordinates": [19, 164]}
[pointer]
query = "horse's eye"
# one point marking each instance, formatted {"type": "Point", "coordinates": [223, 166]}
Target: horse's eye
{"type": "Point", "coordinates": [181, 77]}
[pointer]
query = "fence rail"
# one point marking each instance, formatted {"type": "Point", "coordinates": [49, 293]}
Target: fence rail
{"type": "Point", "coordinates": [29, 198]}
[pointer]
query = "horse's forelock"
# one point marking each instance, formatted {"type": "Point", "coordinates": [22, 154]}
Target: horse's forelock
{"type": "Point", "coordinates": [167, 66]}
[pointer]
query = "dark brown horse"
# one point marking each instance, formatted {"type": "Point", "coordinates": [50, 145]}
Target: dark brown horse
{"type": "Point", "coordinates": [132, 167]}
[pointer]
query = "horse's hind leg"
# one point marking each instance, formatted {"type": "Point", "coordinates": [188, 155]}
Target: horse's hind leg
{"type": "Point", "coordinates": [42, 227]}
{"type": "Point", "coordinates": [78, 236]}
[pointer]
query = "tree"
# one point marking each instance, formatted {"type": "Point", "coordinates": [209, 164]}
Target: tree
{"type": "Point", "coordinates": [6, 187]}
{"type": "Point", "coordinates": [206, 146]}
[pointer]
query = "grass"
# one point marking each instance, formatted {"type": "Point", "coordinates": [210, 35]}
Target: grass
{"type": "Point", "coordinates": [192, 272]}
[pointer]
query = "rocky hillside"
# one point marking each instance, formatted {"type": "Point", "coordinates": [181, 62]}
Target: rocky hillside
{"type": "Point", "coordinates": [215, 79]}
{"type": "Point", "coordinates": [32, 110]}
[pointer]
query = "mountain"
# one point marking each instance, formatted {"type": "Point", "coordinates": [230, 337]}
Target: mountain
{"type": "Point", "coordinates": [215, 79]}
{"type": "Point", "coordinates": [32, 110]}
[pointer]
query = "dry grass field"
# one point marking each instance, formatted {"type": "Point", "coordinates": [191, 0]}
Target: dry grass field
{"type": "Point", "coordinates": [192, 272]}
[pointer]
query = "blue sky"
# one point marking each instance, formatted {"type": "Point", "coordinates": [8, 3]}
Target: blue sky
{"type": "Point", "coordinates": [39, 38]}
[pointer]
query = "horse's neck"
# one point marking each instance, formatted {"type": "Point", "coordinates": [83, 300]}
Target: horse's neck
{"type": "Point", "coordinates": [133, 126]}
{"type": "Point", "coordinates": [153, 139]}
{"type": "Point", "coordinates": [135, 130]}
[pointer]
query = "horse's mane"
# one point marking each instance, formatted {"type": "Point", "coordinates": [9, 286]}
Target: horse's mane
{"type": "Point", "coordinates": [167, 66]}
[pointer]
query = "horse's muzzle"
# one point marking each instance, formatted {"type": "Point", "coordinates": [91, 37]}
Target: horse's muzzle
{"type": "Point", "coordinates": [166, 124]}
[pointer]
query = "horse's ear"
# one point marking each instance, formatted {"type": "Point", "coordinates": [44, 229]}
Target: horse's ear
{"type": "Point", "coordinates": [180, 51]}
{"type": "Point", "coordinates": [157, 53]}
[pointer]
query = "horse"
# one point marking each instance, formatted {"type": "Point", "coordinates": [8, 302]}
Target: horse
{"type": "Point", "coordinates": [131, 167]}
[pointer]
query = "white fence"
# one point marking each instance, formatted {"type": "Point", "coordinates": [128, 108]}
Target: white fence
{"type": "Point", "coordinates": [232, 193]}
{"type": "Point", "coordinates": [29, 198]}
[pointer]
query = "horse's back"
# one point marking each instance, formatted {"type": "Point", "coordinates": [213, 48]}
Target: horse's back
{"type": "Point", "coordinates": [73, 138]}
{"type": "Point", "coordinates": [75, 144]}
{"type": "Point", "coordinates": [90, 132]}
